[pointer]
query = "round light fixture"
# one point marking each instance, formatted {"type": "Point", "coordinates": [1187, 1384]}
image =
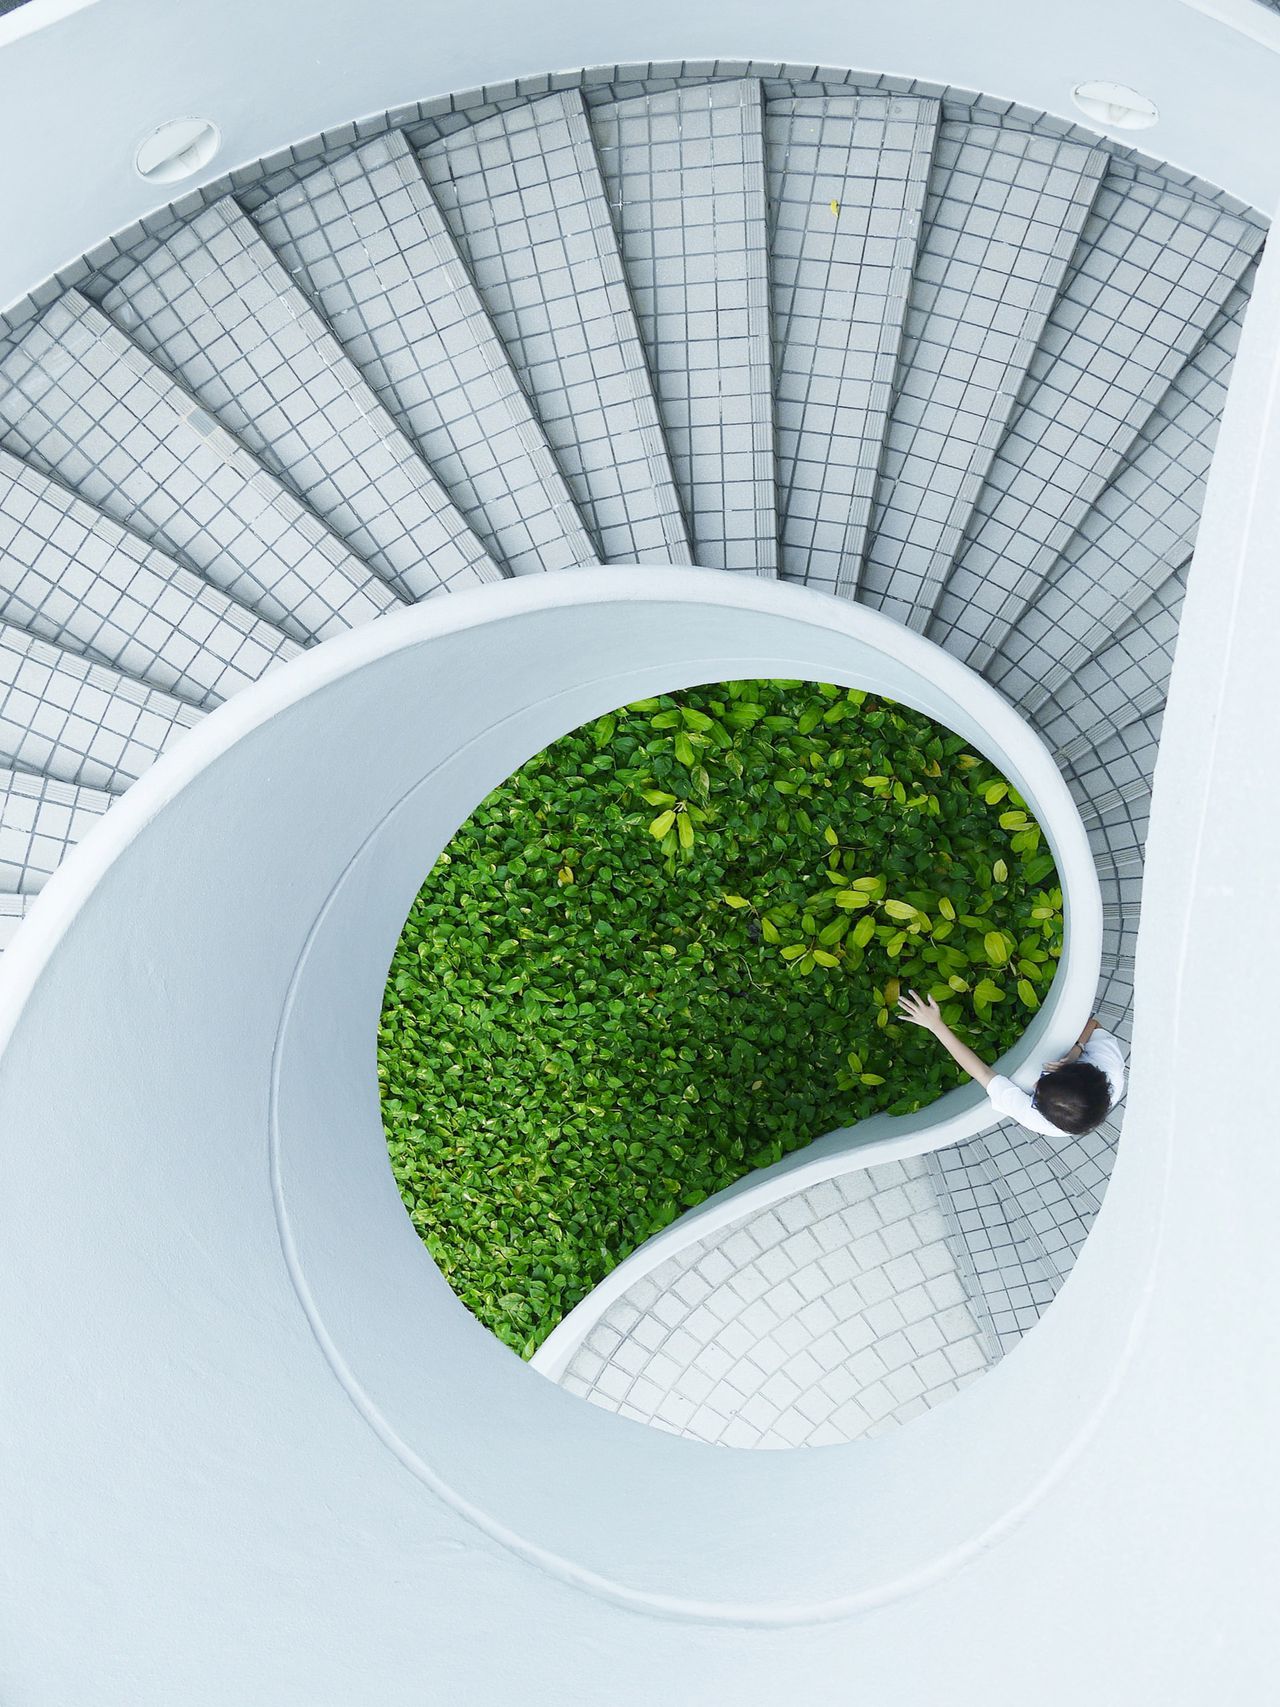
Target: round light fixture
{"type": "Point", "coordinates": [1115, 105]}
{"type": "Point", "coordinates": [177, 150]}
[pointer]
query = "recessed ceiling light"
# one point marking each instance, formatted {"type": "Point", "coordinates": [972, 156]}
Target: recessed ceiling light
{"type": "Point", "coordinates": [177, 150]}
{"type": "Point", "coordinates": [1115, 105]}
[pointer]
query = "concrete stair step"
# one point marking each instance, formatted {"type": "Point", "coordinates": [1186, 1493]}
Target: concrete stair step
{"type": "Point", "coordinates": [80, 722]}
{"type": "Point", "coordinates": [522, 196]}
{"type": "Point", "coordinates": [71, 575]}
{"type": "Point", "coordinates": [684, 171]}
{"type": "Point", "coordinates": [79, 402]}
{"type": "Point", "coordinates": [1003, 216]}
{"type": "Point", "coordinates": [216, 310]}
{"type": "Point", "coordinates": [1139, 533]}
{"type": "Point", "coordinates": [1152, 270]}
{"type": "Point", "coordinates": [847, 178]}
{"type": "Point", "coordinates": [366, 242]}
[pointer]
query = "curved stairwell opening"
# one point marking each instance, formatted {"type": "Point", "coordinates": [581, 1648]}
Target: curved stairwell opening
{"type": "Point", "coordinates": [918, 351]}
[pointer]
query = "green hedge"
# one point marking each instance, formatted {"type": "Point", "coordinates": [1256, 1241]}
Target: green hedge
{"type": "Point", "coordinates": [667, 951]}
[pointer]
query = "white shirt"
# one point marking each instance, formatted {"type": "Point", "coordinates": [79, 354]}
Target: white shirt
{"type": "Point", "coordinates": [1101, 1050]}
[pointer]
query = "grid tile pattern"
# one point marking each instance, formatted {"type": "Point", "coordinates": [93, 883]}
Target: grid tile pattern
{"type": "Point", "coordinates": [40, 821]}
{"type": "Point", "coordinates": [367, 243]}
{"type": "Point", "coordinates": [1140, 531]}
{"type": "Point", "coordinates": [13, 910]}
{"type": "Point", "coordinates": [82, 404]}
{"type": "Point", "coordinates": [1004, 212]}
{"type": "Point", "coordinates": [1012, 1223]}
{"type": "Point", "coordinates": [1124, 682]}
{"type": "Point", "coordinates": [71, 576]}
{"type": "Point", "coordinates": [79, 722]}
{"type": "Point", "coordinates": [215, 309]}
{"type": "Point", "coordinates": [1153, 270]}
{"type": "Point", "coordinates": [685, 177]}
{"type": "Point", "coordinates": [834, 1314]}
{"type": "Point", "coordinates": [522, 195]}
{"type": "Point", "coordinates": [847, 180]}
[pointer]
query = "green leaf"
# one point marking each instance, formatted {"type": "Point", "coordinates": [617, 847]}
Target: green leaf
{"type": "Point", "coordinates": [997, 947]}
{"type": "Point", "coordinates": [1000, 871]}
{"type": "Point", "coordinates": [684, 749]}
{"type": "Point", "coordinates": [662, 823]}
{"type": "Point", "coordinates": [830, 837]}
{"type": "Point", "coordinates": [735, 901]}
{"type": "Point", "coordinates": [656, 797]}
{"type": "Point", "coordinates": [899, 909]}
{"type": "Point", "coordinates": [1027, 994]}
{"type": "Point", "coordinates": [863, 931]}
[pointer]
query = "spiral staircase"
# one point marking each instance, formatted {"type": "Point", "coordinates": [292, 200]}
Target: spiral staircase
{"type": "Point", "coordinates": [908, 349]}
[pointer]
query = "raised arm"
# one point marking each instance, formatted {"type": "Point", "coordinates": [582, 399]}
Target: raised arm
{"type": "Point", "coordinates": [923, 1010]}
{"type": "Point", "coordinates": [1077, 1048]}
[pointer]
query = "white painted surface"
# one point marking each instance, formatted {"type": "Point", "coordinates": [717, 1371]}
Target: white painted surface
{"type": "Point", "coordinates": [220, 1483]}
{"type": "Point", "coordinates": [79, 95]}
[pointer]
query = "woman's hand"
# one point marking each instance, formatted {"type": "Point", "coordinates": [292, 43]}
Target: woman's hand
{"type": "Point", "coordinates": [920, 1010]}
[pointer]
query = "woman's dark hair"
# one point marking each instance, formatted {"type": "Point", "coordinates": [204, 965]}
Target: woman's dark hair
{"type": "Point", "coordinates": [1075, 1097]}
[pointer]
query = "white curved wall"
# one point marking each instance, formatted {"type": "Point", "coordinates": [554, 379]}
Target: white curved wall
{"type": "Point", "coordinates": [253, 1332]}
{"type": "Point", "coordinates": [79, 95]}
{"type": "Point", "coordinates": [370, 1500]}
{"type": "Point", "coordinates": [180, 1527]}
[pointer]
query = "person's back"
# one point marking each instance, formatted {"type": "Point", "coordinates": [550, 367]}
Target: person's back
{"type": "Point", "coordinates": [1071, 1096]}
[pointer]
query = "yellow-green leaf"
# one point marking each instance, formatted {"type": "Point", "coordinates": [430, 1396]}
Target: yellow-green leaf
{"type": "Point", "coordinates": [661, 824]}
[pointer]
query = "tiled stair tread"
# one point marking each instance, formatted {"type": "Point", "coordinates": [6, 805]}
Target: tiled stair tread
{"type": "Point", "coordinates": [41, 819]}
{"type": "Point", "coordinates": [214, 307]}
{"type": "Point", "coordinates": [1126, 680]}
{"type": "Point", "coordinates": [80, 722]}
{"type": "Point", "coordinates": [1002, 218]}
{"type": "Point", "coordinates": [685, 177]}
{"type": "Point", "coordinates": [993, 1241]}
{"type": "Point", "coordinates": [1116, 774]}
{"type": "Point", "coordinates": [847, 178]}
{"type": "Point", "coordinates": [72, 576]}
{"type": "Point", "coordinates": [82, 404]}
{"type": "Point", "coordinates": [522, 196]}
{"type": "Point", "coordinates": [1151, 272]}
{"type": "Point", "coordinates": [834, 1314]}
{"type": "Point", "coordinates": [1140, 531]}
{"type": "Point", "coordinates": [13, 910]}
{"type": "Point", "coordinates": [367, 243]}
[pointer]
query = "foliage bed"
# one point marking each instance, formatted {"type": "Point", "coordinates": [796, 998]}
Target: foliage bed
{"type": "Point", "coordinates": [667, 951]}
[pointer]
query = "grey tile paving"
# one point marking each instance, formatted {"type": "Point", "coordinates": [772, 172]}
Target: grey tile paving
{"type": "Point", "coordinates": [1152, 271]}
{"type": "Point", "coordinates": [1014, 1225]}
{"type": "Point", "coordinates": [214, 307]}
{"type": "Point", "coordinates": [847, 178]}
{"type": "Point", "coordinates": [835, 1314]}
{"type": "Point", "coordinates": [40, 820]}
{"type": "Point", "coordinates": [366, 242]}
{"type": "Point", "coordinates": [685, 177]}
{"type": "Point", "coordinates": [1127, 680]}
{"type": "Point", "coordinates": [1139, 533]}
{"type": "Point", "coordinates": [522, 195]}
{"type": "Point", "coordinates": [1004, 212]}
{"type": "Point", "coordinates": [79, 402]}
{"type": "Point", "coordinates": [72, 576]}
{"type": "Point", "coordinates": [80, 722]}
